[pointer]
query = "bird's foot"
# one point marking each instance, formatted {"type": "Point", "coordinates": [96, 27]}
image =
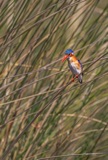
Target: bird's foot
{"type": "Point", "coordinates": [72, 79]}
{"type": "Point", "coordinates": [77, 76]}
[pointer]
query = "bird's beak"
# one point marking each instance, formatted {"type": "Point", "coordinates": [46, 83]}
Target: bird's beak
{"type": "Point", "coordinates": [64, 58]}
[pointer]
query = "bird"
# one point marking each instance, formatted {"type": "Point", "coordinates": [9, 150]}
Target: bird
{"type": "Point", "coordinates": [74, 64]}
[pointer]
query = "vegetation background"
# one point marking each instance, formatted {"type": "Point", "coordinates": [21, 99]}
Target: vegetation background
{"type": "Point", "coordinates": [43, 115]}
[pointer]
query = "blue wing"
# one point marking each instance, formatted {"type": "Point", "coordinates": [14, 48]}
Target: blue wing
{"type": "Point", "coordinates": [80, 63]}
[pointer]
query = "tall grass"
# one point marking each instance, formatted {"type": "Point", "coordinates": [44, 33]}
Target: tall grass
{"type": "Point", "coordinates": [42, 114]}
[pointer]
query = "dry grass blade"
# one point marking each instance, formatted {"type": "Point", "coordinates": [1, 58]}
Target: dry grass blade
{"type": "Point", "coordinates": [39, 107]}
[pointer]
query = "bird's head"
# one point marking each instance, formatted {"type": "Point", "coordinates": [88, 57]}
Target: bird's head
{"type": "Point", "coordinates": [68, 53]}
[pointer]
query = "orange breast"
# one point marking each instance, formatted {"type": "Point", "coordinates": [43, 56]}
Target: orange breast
{"type": "Point", "coordinates": [75, 60]}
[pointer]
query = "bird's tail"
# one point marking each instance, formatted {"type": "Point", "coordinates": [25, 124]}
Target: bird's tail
{"type": "Point", "coordinates": [80, 78]}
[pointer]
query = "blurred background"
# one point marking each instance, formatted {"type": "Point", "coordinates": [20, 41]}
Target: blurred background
{"type": "Point", "coordinates": [41, 117]}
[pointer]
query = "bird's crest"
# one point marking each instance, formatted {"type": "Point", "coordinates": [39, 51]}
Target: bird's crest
{"type": "Point", "coordinates": [69, 51]}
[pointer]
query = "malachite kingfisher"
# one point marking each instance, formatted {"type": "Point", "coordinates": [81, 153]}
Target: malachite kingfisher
{"type": "Point", "coordinates": [74, 65]}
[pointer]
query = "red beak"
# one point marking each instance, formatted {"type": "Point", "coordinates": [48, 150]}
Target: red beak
{"type": "Point", "coordinates": [64, 58]}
